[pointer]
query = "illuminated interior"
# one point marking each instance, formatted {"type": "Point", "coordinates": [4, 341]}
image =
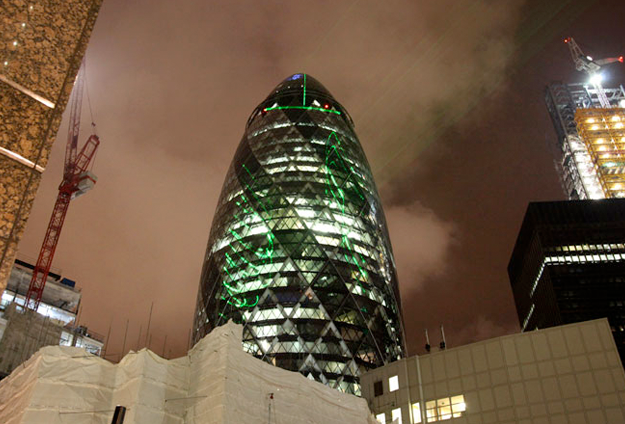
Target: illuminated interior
{"type": "Point", "coordinates": [603, 133]}
{"type": "Point", "coordinates": [571, 255]}
{"type": "Point", "coordinates": [299, 251]}
{"type": "Point", "coordinates": [445, 408]}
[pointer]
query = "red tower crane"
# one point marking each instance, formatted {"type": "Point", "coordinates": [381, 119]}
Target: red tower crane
{"type": "Point", "coordinates": [76, 181]}
{"type": "Point", "coordinates": [592, 67]}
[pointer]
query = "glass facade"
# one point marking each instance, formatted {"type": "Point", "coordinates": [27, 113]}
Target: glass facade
{"type": "Point", "coordinates": [568, 265]}
{"type": "Point", "coordinates": [299, 251]}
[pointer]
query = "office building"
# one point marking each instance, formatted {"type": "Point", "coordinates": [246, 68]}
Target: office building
{"type": "Point", "coordinates": [43, 43]}
{"type": "Point", "coordinates": [568, 265]}
{"type": "Point", "coordinates": [564, 375]}
{"type": "Point", "coordinates": [590, 140]}
{"type": "Point", "coordinates": [299, 252]}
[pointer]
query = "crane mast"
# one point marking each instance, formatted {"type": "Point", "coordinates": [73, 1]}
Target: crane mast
{"type": "Point", "coordinates": [76, 181]}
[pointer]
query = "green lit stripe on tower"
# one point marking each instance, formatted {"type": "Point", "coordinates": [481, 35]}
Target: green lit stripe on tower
{"type": "Point", "coordinates": [336, 112]}
{"type": "Point", "coordinates": [299, 252]}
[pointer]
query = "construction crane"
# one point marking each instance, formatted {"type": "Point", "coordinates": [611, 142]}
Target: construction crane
{"type": "Point", "coordinates": [584, 63]}
{"type": "Point", "coordinates": [76, 181]}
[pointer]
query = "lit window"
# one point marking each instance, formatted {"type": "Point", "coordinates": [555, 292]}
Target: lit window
{"type": "Point", "coordinates": [393, 383]}
{"type": "Point", "coordinates": [445, 408]}
{"type": "Point", "coordinates": [431, 411]}
{"type": "Point", "coordinates": [324, 228]}
{"type": "Point", "coordinates": [458, 406]}
{"type": "Point", "coordinates": [416, 412]}
{"type": "Point", "coordinates": [306, 213]}
{"type": "Point", "coordinates": [396, 416]}
{"type": "Point", "coordinates": [381, 418]}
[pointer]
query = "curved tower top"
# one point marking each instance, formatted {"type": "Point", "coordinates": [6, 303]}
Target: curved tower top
{"type": "Point", "coordinates": [297, 83]}
{"type": "Point", "coordinates": [299, 251]}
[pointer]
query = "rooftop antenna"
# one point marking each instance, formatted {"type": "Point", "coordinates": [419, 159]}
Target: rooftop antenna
{"type": "Point", "coordinates": [428, 347]}
{"type": "Point", "coordinates": [443, 343]}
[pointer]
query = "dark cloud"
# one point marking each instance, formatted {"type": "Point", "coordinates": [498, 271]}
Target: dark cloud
{"type": "Point", "coordinates": [421, 245]}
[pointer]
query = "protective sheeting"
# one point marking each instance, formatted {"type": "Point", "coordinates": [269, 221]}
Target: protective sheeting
{"type": "Point", "coordinates": [26, 332]}
{"type": "Point", "coordinates": [215, 383]}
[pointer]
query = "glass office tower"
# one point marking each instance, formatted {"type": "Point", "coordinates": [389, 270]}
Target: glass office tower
{"type": "Point", "coordinates": [299, 251]}
{"type": "Point", "coordinates": [568, 265]}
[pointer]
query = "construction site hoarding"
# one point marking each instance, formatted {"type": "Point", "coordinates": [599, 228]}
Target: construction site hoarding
{"type": "Point", "coordinates": [216, 382]}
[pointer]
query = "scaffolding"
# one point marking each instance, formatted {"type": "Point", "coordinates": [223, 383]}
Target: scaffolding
{"type": "Point", "coordinates": [602, 131]}
{"type": "Point", "coordinates": [573, 160]}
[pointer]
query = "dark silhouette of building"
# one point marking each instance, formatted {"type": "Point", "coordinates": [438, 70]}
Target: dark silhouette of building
{"type": "Point", "coordinates": [568, 265]}
{"type": "Point", "coordinates": [299, 251]}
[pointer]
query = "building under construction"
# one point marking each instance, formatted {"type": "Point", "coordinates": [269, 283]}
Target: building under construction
{"type": "Point", "coordinates": [23, 332]}
{"type": "Point", "coordinates": [589, 119]}
{"type": "Point", "coordinates": [590, 145]}
{"type": "Point", "coordinates": [41, 47]}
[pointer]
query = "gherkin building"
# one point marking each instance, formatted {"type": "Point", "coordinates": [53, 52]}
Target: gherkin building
{"type": "Point", "coordinates": [299, 251]}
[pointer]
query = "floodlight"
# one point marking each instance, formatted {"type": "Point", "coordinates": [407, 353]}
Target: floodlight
{"type": "Point", "coordinates": [596, 79]}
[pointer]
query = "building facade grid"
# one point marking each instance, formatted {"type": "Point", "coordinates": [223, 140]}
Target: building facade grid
{"type": "Point", "coordinates": [299, 251]}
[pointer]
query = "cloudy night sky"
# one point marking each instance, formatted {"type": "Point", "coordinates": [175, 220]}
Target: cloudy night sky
{"type": "Point", "coordinates": [447, 98]}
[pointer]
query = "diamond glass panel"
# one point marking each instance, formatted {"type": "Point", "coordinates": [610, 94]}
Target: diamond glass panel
{"type": "Point", "coordinates": [299, 252]}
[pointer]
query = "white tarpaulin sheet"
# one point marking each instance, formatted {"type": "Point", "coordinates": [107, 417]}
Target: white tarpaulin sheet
{"type": "Point", "coordinates": [215, 383]}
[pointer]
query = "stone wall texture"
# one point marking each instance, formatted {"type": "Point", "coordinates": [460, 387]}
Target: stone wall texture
{"type": "Point", "coordinates": [42, 44]}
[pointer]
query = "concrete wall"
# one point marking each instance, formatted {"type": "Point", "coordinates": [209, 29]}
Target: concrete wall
{"type": "Point", "coordinates": [570, 374]}
{"type": "Point", "coordinates": [41, 46]}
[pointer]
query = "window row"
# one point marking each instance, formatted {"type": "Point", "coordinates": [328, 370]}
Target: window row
{"type": "Point", "coordinates": [589, 247]}
{"type": "Point", "coordinates": [435, 410]}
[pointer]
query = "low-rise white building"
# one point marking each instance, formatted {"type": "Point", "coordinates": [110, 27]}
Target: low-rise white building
{"type": "Point", "coordinates": [562, 375]}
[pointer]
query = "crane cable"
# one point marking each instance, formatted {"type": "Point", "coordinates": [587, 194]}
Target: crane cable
{"type": "Point", "coordinates": [93, 129]}
{"type": "Point", "coordinates": [93, 126]}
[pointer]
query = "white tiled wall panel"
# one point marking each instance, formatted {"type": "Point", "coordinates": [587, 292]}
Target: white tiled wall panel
{"type": "Point", "coordinates": [562, 375]}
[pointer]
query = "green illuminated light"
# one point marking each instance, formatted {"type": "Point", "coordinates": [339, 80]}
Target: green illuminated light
{"type": "Point", "coordinates": [237, 263]}
{"type": "Point", "coordinates": [304, 101]}
{"type": "Point", "coordinates": [320, 109]}
{"type": "Point", "coordinates": [334, 160]}
{"type": "Point", "coordinates": [245, 261]}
